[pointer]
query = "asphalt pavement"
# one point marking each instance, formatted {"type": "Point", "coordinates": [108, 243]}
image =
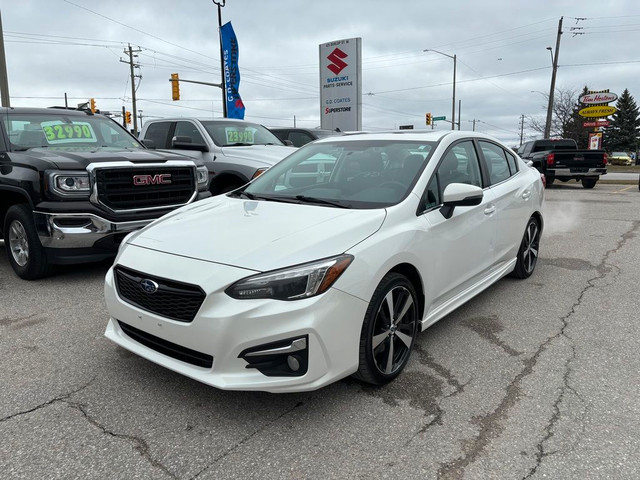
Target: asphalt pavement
{"type": "Point", "coordinates": [532, 379]}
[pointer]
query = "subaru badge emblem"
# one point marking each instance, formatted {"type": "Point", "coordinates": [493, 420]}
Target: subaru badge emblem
{"type": "Point", "coordinates": [149, 286]}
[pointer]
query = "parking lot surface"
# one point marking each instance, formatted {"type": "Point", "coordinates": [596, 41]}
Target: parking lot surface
{"type": "Point", "coordinates": [531, 379]}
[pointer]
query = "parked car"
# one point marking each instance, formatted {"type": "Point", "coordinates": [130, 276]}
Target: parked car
{"type": "Point", "coordinates": [620, 158]}
{"type": "Point", "coordinates": [73, 184]}
{"type": "Point", "coordinates": [301, 136]}
{"type": "Point", "coordinates": [560, 159]}
{"type": "Point", "coordinates": [234, 151]}
{"type": "Point", "coordinates": [329, 263]}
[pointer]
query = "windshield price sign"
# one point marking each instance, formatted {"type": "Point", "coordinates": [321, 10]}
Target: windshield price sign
{"type": "Point", "coordinates": [58, 132]}
{"type": "Point", "coordinates": [239, 136]}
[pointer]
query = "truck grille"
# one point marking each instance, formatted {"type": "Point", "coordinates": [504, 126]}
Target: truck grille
{"type": "Point", "coordinates": [174, 300]}
{"type": "Point", "coordinates": [144, 187]}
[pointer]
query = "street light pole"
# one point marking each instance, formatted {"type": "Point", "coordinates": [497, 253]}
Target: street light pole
{"type": "Point", "coordinates": [453, 101]}
{"type": "Point", "coordinates": [554, 62]}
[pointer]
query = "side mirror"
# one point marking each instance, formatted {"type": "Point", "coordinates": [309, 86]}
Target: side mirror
{"type": "Point", "coordinates": [288, 143]}
{"type": "Point", "coordinates": [459, 195]}
{"type": "Point", "coordinates": [185, 143]}
{"type": "Point", "coordinates": [147, 142]}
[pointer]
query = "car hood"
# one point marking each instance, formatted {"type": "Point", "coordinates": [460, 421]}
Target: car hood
{"type": "Point", "coordinates": [258, 235]}
{"type": "Point", "coordinates": [80, 159]}
{"type": "Point", "coordinates": [269, 155]}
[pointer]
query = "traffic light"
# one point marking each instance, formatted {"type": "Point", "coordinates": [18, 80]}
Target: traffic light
{"type": "Point", "coordinates": [175, 87]}
{"type": "Point", "coordinates": [127, 117]}
{"type": "Point", "coordinates": [92, 104]}
{"type": "Point", "coordinates": [428, 119]}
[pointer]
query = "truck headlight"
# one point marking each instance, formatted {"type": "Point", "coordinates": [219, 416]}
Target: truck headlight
{"type": "Point", "coordinates": [292, 283]}
{"type": "Point", "coordinates": [70, 183]}
{"type": "Point", "coordinates": [202, 175]}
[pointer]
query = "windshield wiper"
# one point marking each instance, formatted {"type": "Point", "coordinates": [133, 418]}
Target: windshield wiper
{"type": "Point", "coordinates": [322, 201]}
{"type": "Point", "coordinates": [239, 145]}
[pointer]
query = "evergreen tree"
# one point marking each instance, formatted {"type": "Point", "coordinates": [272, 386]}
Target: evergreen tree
{"type": "Point", "coordinates": [622, 134]}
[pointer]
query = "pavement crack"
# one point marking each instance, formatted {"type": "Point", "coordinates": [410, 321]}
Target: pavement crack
{"type": "Point", "coordinates": [140, 443]}
{"type": "Point", "coordinates": [246, 439]}
{"type": "Point", "coordinates": [490, 425]}
{"type": "Point", "coordinates": [61, 398]}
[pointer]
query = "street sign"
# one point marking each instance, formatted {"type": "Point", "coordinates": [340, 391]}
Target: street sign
{"type": "Point", "coordinates": [439, 118]}
{"type": "Point", "coordinates": [598, 123]}
{"type": "Point", "coordinates": [405, 127]}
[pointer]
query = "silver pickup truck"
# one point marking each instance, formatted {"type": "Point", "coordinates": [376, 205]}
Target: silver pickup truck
{"type": "Point", "coordinates": [234, 151]}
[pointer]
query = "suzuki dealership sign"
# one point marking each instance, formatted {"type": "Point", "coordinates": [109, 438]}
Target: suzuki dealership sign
{"type": "Point", "coordinates": [341, 84]}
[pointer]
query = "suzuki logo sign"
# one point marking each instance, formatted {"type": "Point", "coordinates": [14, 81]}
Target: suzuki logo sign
{"type": "Point", "coordinates": [337, 64]}
{"type": "Point", "coordinates": [157, 179]}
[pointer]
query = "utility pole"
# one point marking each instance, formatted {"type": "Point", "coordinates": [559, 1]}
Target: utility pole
{"type": "Point", "coordinates": [130, 52]}
{"type": "Point", "coordinates": [547, 125]}
{"type": "Point", "coordinates": [521, 129]}
{"type": "Point", "coordinates": [459, 110]}
{"type": "Point", "coordinates": [4, 79]}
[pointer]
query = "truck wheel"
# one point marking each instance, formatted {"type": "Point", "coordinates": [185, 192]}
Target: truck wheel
{"type": "Point", "coordinates": [589, 182]}
{"type": "Point", "coordinates": [388, 331]}
{"type": "Point", "coordinates": [528, 251]}
{"type": "Point", "coordinates": [550, 180]}
{"type": "Point", "coordinates": [26, 254]}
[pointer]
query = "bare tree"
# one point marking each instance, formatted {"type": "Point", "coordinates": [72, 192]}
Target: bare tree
{"type": "Point", "coordinates": [564, 102]}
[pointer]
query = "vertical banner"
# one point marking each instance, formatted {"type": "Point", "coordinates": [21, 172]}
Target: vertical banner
{"type": "Point", "coordinates": [341, 84]}
{"type": "Point", "coordinates": [235, 107]}
{"type": "Point", "coordinates": [595, 141]}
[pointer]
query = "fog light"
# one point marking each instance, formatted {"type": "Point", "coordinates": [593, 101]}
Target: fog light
{"type": "Point", "coordinates": [293, 362]}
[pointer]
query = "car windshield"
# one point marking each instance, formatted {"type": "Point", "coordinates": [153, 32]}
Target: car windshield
{"type": "Point", "coordinates": [353, 174]}
{"type": "Point", "coordinates": [230, 133]}
{"type": "Point", "coordinates": [57, 130]}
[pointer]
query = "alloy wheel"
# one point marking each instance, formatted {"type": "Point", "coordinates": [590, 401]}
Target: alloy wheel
{"type": "Point", "coordinates": [531, 245]}
{"type": "Point", "coordinates": [18, 243]}
{"type": "Point", "coordinates": [394, 330]}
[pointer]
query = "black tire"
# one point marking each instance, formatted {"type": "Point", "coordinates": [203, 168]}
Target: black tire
{"type": "Point", "coordinates": [528, 251]}
{"type": "Point", "coordinates": [26, 254]}
{"type": "Point", "coordinates": [386, 340]}
{"type": "Point", "coordinates": [589, 182]}
{"type": "Point", "coordinates": [225, 187]}
{"type": "Point", "coordinates": [550, 180]}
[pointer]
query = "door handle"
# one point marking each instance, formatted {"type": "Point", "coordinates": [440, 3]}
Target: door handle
{"type": "Point", "coordinates": [490, 209]}
{"type": "Point", "coordinates": [526, 194]}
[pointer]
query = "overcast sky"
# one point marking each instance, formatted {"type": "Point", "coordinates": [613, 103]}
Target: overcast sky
{"type": "Point", "coordinates": [55, 47]}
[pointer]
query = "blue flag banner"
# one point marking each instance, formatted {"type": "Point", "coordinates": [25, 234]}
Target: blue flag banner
{"type": "Point", "coordinates": [235, 107]}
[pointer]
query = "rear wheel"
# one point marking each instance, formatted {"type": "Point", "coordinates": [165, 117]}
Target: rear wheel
{"type": "Point", "coordinates": [550, 180]}
{"type": "Point", "coordinates": [26, 254]}
{"type": "Point", "coordinates": [389, 329]}
{"type": "Point", "coordinates": [528, 252]}
{"type": "Point", "coordinates": [589, 182]}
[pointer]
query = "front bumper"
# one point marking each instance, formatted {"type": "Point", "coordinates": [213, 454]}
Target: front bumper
{"type": "Point", "coordinates": [227, 329]}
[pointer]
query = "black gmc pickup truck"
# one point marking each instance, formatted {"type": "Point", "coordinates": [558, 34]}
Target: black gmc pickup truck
{"type": "Point", "coordinates": [73, 184]}
{"type": "Point", "coordinates": [560, 159]}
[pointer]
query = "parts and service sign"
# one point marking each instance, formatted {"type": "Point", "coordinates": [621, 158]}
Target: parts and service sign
{"type": "Point", "coordinates": [341, 84]}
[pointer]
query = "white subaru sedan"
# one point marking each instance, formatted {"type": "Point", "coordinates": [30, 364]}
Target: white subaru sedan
{"type": "Point", "coordinates": [328, 264]}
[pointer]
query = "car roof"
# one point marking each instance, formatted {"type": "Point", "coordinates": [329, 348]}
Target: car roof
{"type": "Point", "coordinates": [407, 135]}
{"type": "Point", "coordinates": [45, 111]}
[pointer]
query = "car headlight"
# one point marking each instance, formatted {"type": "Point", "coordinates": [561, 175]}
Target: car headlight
{"type": "Point", "coordinates": [292, 283]}
{"type": "Point", "coordinates": [70, 183]}
{"type": "Point", "coordinates": [202, 175]}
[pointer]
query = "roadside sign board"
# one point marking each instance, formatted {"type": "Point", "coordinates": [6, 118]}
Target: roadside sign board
{"type": "Point", "coordinates": [597, 123]}
{"type": "Point", "coordinates": [596, 98]}
{"type": "Point", "coordinates": [597, 111]}
{"type": "Point", "coordinates": [434, 119]}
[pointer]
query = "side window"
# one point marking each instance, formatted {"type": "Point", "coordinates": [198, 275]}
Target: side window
{"type": "Point", "coordinates": [496, 161]}
{"type": "Point", "coordinates": [188, 129]}
{"type": "Point", "coordinates": [300, 138]}
{"type": "Point", "coordinates": [431, 197]}
{"type": "Point", "coordinates": [459, 165]}
{"type": "Point", "coordinates": [159, 133]}
{"type": "Point", "coordinates": [513, 165]}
